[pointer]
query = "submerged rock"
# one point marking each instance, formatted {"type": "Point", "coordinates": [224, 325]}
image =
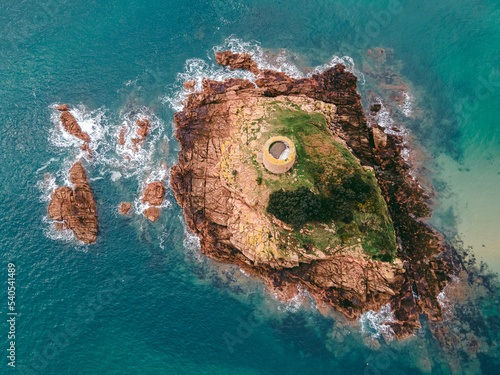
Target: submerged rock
{"type": "Point", "coordinates": [75, 208]}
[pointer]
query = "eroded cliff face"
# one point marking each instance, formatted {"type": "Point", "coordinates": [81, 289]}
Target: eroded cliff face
{"type": "Point", "coordinates": [75, 208]}
{"type": "Point", "coordinates": [347, 280]}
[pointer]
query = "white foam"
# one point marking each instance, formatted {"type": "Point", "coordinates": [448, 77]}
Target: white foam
{"type": "Point", "coordinates": [46, 164]}
{"type": "Point", "coordinates": [197, 69]}
{"type": "Point", "coordinates": [108, 156]}
{"type": "Point", "coordinates": [155, 174]}
{"type": "Point", "coordinates": [115, 175]}
{"type": "Point", "coordinates": [347, 61]}
{"type": "Point", "coordinates": [281, 63]}
{"type": "Point", "coordinates": [444, 301]}
{"type": "Point", "coordinates": [47, 186]}
{"type": "Point", "coordinates": [191, 241]}
{"type": "Point", "coordinates": [162, 237]}
{"type": "Point", "coordinates": [295, 303]}
{"type": "Point", "coordinates": [91, 122]}
{"type": "Point", "coordinates": [407, 106]}
{"type": "Point", "coordinates": [64, 235]}
{"type": "Point", "coordinates": [375, 323]}
{"type": "Point", "coordinates": [384, 119]}
{"type": "Point", "coordinates": [244, 273]}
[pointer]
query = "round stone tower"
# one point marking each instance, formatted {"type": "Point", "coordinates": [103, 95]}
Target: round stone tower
{"type": "Point", "coordinates": [279, 154]}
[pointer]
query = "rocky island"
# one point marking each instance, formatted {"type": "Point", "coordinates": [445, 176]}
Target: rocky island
{"type": "Point", "coordinates": [75, 208]}
{"type": "Point", "coordinates": [285, 178]}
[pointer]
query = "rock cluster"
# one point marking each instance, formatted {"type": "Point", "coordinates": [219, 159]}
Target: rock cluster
{"type": "Point", "coordinates": [237, 61]}
{"type": "Point", "coordinates": [71, 125]}
{"type": "Point", "coordinates": [142, 131]}
{"type": "Point", "coordinates": [75, 208]}
{"type": "Point", "coordinates": [153, 195]}
{"type": "Point", "coordinates": [346, 282]}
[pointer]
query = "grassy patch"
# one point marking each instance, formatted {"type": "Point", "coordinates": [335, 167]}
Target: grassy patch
{"type": "Point", "coordinates": [330, 171]}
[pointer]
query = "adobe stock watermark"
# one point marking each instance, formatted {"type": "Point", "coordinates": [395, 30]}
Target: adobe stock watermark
{"type": "Point", "coordinates": [361, 40]}
{"type": "Point", "coordinates": [33, 24]}
{"type": "Point", "coordinates": [245, 329]}
{"type": "Point", "coordinates": [62, 337]}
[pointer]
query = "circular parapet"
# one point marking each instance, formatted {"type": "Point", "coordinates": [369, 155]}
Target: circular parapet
{"type": "Point", "coordinates": [279, 154]}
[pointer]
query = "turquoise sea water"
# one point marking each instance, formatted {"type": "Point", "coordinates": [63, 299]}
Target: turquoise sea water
{"type": "Point", "coordinates": [143, 300]}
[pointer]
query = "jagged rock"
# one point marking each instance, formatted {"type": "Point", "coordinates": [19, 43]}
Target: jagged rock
{"type": "Point", "coordinates": [379, 137]}
{"type": "Point", "coordinates": [237, 61]}
{"type": "Point", "coordinates": [189, 85]}
{"type": "Point", "coordinates": [154, 193]}
{"type": "Point", "coordinates": [347, 282]}
{"type": "Point", "coordinates": [152, 213]}
{"type": "Point", "coordinates": [71, 125]}
{"type": "Point", "coordinates": [75, 208]}
{"type": "Point", "coordinates": [124, 208]}
{"type": "Point", "coordinates": [142, 131]}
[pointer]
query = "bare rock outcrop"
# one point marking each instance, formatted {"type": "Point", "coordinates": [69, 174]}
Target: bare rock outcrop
{"type": "Point", "coordinates": [345, 282]}
{"type": "Point", "coordinates": [153, 195]}
{"type": "Point", "coordinates": [75, 208]}
{"type": "Point", "coordinates": [142, 131]}
{"type": "Point", "coordinates": [71, 125]}
{"type": "Point", "coordinates": [152, 213]}
{"type": "Point", "coordinates": [124, 208]}
{"type": "Point", "coordinates": [379, 137]}
{"type": "Point", "coordinates": [237, 61]}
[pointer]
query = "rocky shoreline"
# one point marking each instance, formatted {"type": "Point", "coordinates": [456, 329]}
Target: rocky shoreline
{"type": "Point", "coordinates": [347, 283]}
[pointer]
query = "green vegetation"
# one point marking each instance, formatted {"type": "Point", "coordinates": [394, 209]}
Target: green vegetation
{"type": "Point", "coordinates": [329, 199]}
{"type": "Point", "coordinates": [295, 207]}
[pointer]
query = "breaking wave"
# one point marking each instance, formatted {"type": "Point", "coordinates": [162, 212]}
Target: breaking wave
{"type": "Point", "coordinates": [375, 323]}
{"type": "Point", "coordinates": [407, 105]}
{"type": "Point", "coordinates": [110, 160]}
{"type": "Point", "coordinates": [197, 69]}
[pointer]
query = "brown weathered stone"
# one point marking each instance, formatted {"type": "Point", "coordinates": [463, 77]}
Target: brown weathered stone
{"type": "Point", "coordinates": [124, 208]}
{"type": "Point", "coordinates": [154, 193]}
{"type": "Point", "coordinates": [348, 283]}
{"type": "Point", "coordinates": [121, 136]}
{"type": "Point", "coordinates": [189, 85]}
{"type": "Point", "coordinates": [237, 61]}
{"type": "Point", "coordinates": [75, 208]}
{"type": "Point", "coordinates": [71, 125]}
{"type": "Point", "coordinates": [152, 213]}
{"type": "Point", "coordinates": [379, 137]}
{"type": "Point", "coordinates": [142, 131]}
